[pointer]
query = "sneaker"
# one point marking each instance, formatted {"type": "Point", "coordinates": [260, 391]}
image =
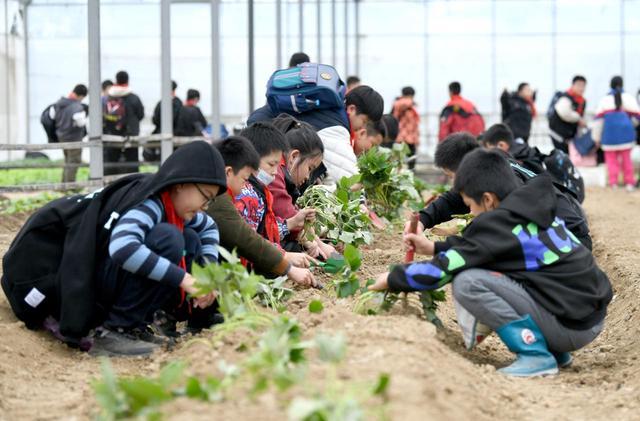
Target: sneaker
{"type": "Point", "coordinates": [195, 327]}
{"type": "Point", "coordinates": [119, 343]}
{"type": "Point", "coordinates": [164, 325]}
{"type": "Point", "coordinates": [145, 333]}
{"type": "Point", "coordinates": [630, 188]}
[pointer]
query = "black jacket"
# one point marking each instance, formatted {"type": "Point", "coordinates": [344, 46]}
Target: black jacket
{"type": "Point", "coordinates": [176, 105]}
{"type": "Point", "coordinates": [190, 121]}
{"type": "Point", "coordinates": [529, 157]}
{"type": "Point", "coordinates": [568, 209]}
{"type": "Point", "coordinates": [134, 111]}
{"type": "Point", "coordinates": [67, 128]}
{"type": "Point", "coordinates": [57, 251]}
{"type": "Point", "coordinates": [565, 129]}
{"type": "Point", "coordinates": [517, 114]}
{"type": "Point", "coordinates": [524, 240]}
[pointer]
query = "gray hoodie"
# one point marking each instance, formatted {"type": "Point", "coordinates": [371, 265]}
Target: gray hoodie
{"type": "Point", "coordinates": [71, 119]}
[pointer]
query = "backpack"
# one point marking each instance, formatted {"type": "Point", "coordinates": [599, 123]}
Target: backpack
{"type": "Point", "coordinates": [551, 111]}
{"type": "Point", "coordinates": [306, 87]}
{"type": "Point", "coordinates": [114, 115]}
{"type": "Point", "coordinates": [49, 123]}
{"type": "Point", "coordinates": [560, 167]}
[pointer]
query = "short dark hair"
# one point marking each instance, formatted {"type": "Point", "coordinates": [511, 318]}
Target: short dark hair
{"type": "Point", "coordinates": [579, 78]}
{"type": "Point", "coordinates": [496, 133]}
{"type": "Point", "coordinates": [483, 171]}
{"type": "Point", "coordinates": [80, 90]}
{"type": "Point", "coordinates": [391, 127]}
{"type": "Point", "coordinates": [174, 85]}
{"type": "Point", "coordinates": [193, 94]}
{"type": "Point", "coordinates": [122, 77]}
{"type": "Point", "coordinates": [298, 58]}
{"type": "Point", "coordinates": [616, 82]}
{"type": "Point", "coordinates": [351, 80]}
{"type": "Point", "coordinates": [265, 138]}
{"type": "Point", "coordinates": [238, 153]}
{"type": "Point", "coordinates": [375, 128]}
{"type": "Point", "coordinates": [367, 101]}
{"type": "Point", "coordinates": [300, 136]}
{"type": "Point", "coordinates": [455, 88]}
{"type": "Point", "coordinates": [452, 150]}
{"type": "Point", "coordinates": [106, 84]}
{"type": "Point", "coordinates": [408, 91]}
{"type": "Point", "coordinates": [522, 85]}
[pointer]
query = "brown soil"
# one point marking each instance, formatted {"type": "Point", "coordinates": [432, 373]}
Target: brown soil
{"type": "Point", "coordinates": [432, 376]}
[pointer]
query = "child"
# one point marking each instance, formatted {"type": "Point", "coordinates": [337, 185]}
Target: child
{"type": "Point", "coordinates": [516, 268]}
{"type": "Point", "coordinates": [301, 160]}
{"type": "Point", "coordinates": [113, 258]}
{"type": "Point", "coordinates": [190, 120]}
{"type": "Point", "coordinates": [448, 156]}
{"type": "Point", "coordinates": [614, 131]}
{"type": "Point", "coordinates": [500, 136]}
{"type": "Point", "coordinates": [242, 160]}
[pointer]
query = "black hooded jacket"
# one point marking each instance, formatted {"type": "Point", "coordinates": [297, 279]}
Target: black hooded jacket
{"type": "Point", "coordinates": [49, 267]}
{"type": "Point", "coordinates": [524, 240]}
{"type": "Point", "coordinates": [567, 208]}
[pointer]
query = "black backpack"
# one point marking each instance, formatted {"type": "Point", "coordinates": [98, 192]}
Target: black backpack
{"type": "Point", "coordinates": [563, 171]}
{"type": "Point", "coordinates": [115, 116]}
{"type": "Point", "coordinates": [552, 105]}
{"type": "Point", "coordinates": [49, 124]}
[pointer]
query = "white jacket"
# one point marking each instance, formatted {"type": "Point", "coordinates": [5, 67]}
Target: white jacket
{"type": "Point", "coordinates": [339, 157]}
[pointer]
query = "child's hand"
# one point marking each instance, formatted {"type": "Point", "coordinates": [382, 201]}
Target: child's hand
{"type": "Point", "coordinates": [300, 260]}
{"type": "Point", "coordinates": [302, 276]}
{"type": "Point", "coordinates": [187, 284]}
{"type": "Point", "coordinates": [326, 250]}
{"type": "Point", "coordinates": [419, 243]}
{"type": "Point", "coordinates": [297, 221]}
{"type": "Point", "coordinates": [381, 283]}
{"type": "Point", "coordinates": [312, 248]}
{"type": "Point", "coordinates": [205, 301]}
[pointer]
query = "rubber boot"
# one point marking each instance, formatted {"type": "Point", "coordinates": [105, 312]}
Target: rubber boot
{"type": "Point", "coordinates": [564, 359]}
{"type": "Point", "coordinates": [524, 338]}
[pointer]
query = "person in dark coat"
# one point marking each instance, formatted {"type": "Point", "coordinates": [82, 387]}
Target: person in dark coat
{"type": "Point", "coordinates": [518, 110]}
{"type": "Point", "coordinates": [190, 120]}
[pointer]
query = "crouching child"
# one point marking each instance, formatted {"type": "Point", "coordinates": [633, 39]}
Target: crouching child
{"type": "Point", "coordinates": [516, 269]}
{"type": "Point", "coordinates": [108, 262]}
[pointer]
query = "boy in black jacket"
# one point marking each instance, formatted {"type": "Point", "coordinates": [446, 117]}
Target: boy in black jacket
{"type": "Point", "coordinates": [500, 136]}
{"type": "Point", "coordinates": [450, 153]}
{"type": "Point", "coordinates": [516, 268]}
{"type": "Point", "coordinates": [190, 121]}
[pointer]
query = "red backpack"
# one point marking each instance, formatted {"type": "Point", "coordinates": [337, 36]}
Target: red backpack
{"type": "Point", "coordinates": [114, 116]}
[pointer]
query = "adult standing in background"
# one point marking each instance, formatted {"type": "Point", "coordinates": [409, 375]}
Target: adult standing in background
{"type": "Point", "coordinates": [404, 110]}
{"type": "Point", "coordinates": [459, 115]}
{"type": "Point", "coordinates": [71, 121]}
{"type": "Point", "coordinates": [518, 110]}
{"type": "Point", "coordinates": [567, 114]}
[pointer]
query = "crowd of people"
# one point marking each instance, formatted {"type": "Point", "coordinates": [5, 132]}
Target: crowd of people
{"type": "Point", "coordinates": [114, 266]}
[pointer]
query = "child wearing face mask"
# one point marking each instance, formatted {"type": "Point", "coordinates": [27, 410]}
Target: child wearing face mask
{"type": "Point", "coordinates": [255, 201]}
{"type": "Point", "coordinates": [303, 157]}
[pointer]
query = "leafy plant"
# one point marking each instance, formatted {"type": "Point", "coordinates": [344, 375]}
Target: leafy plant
{"type": "Point", "coordinates": [429, 300]}
{"type": "Point", "coordinates": [316, 306]}
{"type": "Point", "coordinates": [280, 356]}
{"type": "Point", "coordinates": [27, 204]}
{"type": "Point", "coordinates": [347, 283]}
{"type": "Point", "coordinates": [339, 215]}
{"type": "Point", "coordinates": [387, 184]}
{"type": "Point", "coordinates": [272, 293]}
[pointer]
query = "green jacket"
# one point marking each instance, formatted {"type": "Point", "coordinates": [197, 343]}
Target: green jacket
{"type": "Point", "coordinates": [236, 234]}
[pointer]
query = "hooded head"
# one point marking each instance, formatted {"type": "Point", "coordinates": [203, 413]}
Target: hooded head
{"type": "Point", "coordinates": [194, 176]}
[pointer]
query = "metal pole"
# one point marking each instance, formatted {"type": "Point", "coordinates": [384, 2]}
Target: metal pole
{"type": "Point", "coordinates": [622, 35]}
{"type": "Point", "coordinates": [494, 59]}
{"type": "Point", "coordinates": [96, 168]}
{"type": "Point", "coordinates": [357, 29]}
{"type": "Point", "coordinates": [7, 99]}
{"type": "Point", "coordinates": [319, 24]}
{"type": "Point", "coordinates": [301, 24]}
{"type": "Point", "coordinates": [278, 34]}
{"type": "Point", "coordinates": [26, 70]}
{"type": "Point", "coordinates": [425, 109]}
{"type": "Point", "coordinates": [251, 59]}
{"type": "Point", "coordinates": [346, 38]}
{"type": "Point", "coordinates": [554, 39]}
{"type": "Point", "coordinates": [166, 106]}
{"type": "Point", "coordinates": [215, 69]}
{"type": "Point", "coordinates": [334, 49]}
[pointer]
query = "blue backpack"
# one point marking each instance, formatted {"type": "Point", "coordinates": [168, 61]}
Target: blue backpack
{"type": "Point", "coordinates": [306, 87]}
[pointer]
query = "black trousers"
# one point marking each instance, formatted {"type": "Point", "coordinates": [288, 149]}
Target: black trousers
{"type": "Point", "coordinates": [128, 300]}
{"type": "Point", "coordinates": [562, 145]}
{"type": "Point", "coordinates": [127, 158]}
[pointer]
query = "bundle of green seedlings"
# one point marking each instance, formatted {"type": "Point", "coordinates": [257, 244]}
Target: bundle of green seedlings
{"type": "Point", "coordinates": [388, 185]}
{"type": "Point", "coordinates": [340, 216]}
{"type": "Point", "coordinates": [27, 204]}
